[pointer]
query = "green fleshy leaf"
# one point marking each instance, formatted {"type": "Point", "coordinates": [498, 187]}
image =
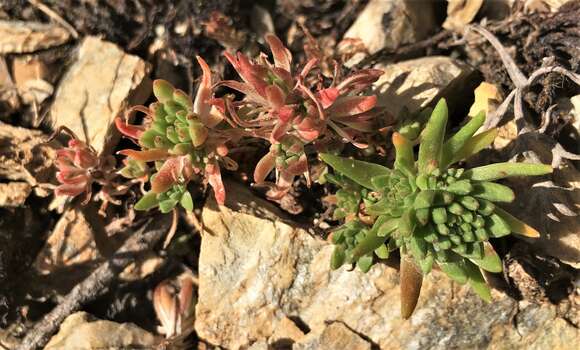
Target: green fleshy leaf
{"type": "Point", "coordinates": [358, 171]}
{"type": "Point", "coordinates": [183, 99]}
{"type": "Point", "coordinates": [496, 226]}
{"type": "Point", "coordinates": [367, 245]}
{"type": "Point", "coordinates": [432, 138]}
{"type": "Point", "coordinates": [423, 215]}
{"type": "Point", "coordinates": [498, 171]}
{"type": "Point", "coordinates": [426, 264]}
{"type": "Point", "coordinates": [460, 187]}
{"type": "Point", "coordinates": [477, 282]}
{"type": "Point", "coordinates": [493, 192]}
{"type": "Point", "coordinates": [187, 201]}
{"type": "Point", "coordinates": [424, 199]}
{"type": "Point", "coordinates": [418, 247]}
{"type": "Point", "coordinates": [439, 215]}
{"type": "Point", "coordinates": [407, 223]}
{"type": "Point", "coordinates": [491, 261]}
{"type": "Point", "coordinates": [148, 201]}
{"type": "Point", "coordinates": [381, 181]}
{"type": "Point", "coordinates": [167, 205]}
{"type": "Point", "coordinates": [474, 145]}
{"type": "Point", "coordinates": [383, 206]}
{"type": "Point", "coordinates": [456, 142]}
{"type": "Point", "coordinates": [163, 90]}
{"type": "Point", "coordinates": [404, 157]}
{"type": "Point", "coordinates": [516, 225]}
{"type": "Point", "coordinates": [338, 257]}
{"type": "Point", "coordinates": [455, 269]}
{"type": "Point", "coordinates": [387, 227]}
{"type": "Point", "coordinates": [365, 263]}
{"type": "Point", "coordinates": [382, 252]}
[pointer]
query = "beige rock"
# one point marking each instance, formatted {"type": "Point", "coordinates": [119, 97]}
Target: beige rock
{"type": "Point", "coordinates": [14, 194]}
{"type": "Point", "coordinates": [25, 155]}
{"type": "Point", "coordinates": [257, 270]}
{"type": "Point", "coordinates": [9, 101]}
{"type": "Point", "coordinates": [81, 331]}
{"type": "Point", "coordinates": [70, 243]}
{"type": "Point", "coordinates": [334, 336]}
{"type": "Point", "coordinates": [31, 78]}
{"type": "Point", "coordinates": [461, 13]}
{"type": "Point", "coordinates": [390, 24]}
{"type": "Point", "coordinates": [415, 83]}
{"type": "Point", "coordinates": [77, 245]}
{"type": "Point", "coordinates": [97, 87]}
{"type": "Point", "coordinates": [27, 37]}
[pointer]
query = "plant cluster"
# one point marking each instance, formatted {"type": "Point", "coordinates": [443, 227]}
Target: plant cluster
{"type": "Point", "coordinates": [434, 212]}
{"type": "Point", "coordinates": [182, 140]}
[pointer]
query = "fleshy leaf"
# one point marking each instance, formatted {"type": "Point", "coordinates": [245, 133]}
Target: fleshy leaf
{"type": "Point", "coordinates": [370, 243]}
{"type": "Point", "coordinates": [358, 171]}
{"type": "Point", "coordinates": [455, 269]}
{"type": "Point", "coordinates": [365, 263]}
{"type": "Point", "coordinates": [382, 252]}
{"type": "Point", "coordinates": [496, 226]}
{"type": "Point", "coordinates": [148, 201]}
{"type": "Point", "coordinates": [338, 257]}
{"type": "Point", "coordinates": [426, 264]}
{"type": "Point", "coordinates": [404, 160]}
{"type": "Point", "coordinates": [502, 170]}
{"type": "Point", "coordinates": [493, 192]}
{"type": "Point", "coordinates": [457, 141]}
{"type": "Point", "coordinates": [491, 261]}
{"type": "Point", "coordinates": [163, 90]}
{"type": "Point", "coordinates": [516, 225]}
{"type": "Point", "coordinates": [411, 282]}
{"type": "Point", "coordinates": [432, 138]}
{"type": "Point", "coordinates": [474, 145]}
{"type": "Point", "coordinates": [477, 282]}
{"type": "Point", "coordinates": [187, 201]}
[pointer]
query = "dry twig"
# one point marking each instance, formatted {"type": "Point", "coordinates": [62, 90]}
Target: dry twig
{"type": "Point", "coordinates": [92, 287]}
{"type": "Point", "coordinates": [50, 13]}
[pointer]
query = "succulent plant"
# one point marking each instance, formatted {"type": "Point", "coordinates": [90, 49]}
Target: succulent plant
{"type": "Point", "coordinates": [434, 212]}
{"type": "Point", "coordinates": [292, 111]}
{"type": "Point", "coordinates": [185, 139]}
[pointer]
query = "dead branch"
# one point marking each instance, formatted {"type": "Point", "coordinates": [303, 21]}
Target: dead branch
{"type": "Point", "coordinates": [93, 286]}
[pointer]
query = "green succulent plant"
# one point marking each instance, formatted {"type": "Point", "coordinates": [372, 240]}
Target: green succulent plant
{"type": "Point", "coordinates": [432, 211]}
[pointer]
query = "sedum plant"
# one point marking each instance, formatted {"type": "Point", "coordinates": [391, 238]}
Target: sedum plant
{"type": "Point", "coordinates": [430, 209]}
{"type": "Point", "coordinates": [184, 139]}
{"type": "Point", "coordinates": [293, 111]}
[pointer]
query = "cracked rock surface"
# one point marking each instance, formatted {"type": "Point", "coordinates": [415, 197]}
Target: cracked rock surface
{"type": "Point", "coordinates": [258, 271]}
{"type": "Point", "coordinates": [99, 85]}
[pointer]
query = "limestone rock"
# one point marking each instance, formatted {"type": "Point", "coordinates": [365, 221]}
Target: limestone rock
{"type": "Point", "coordinates": [9, 101]}
{"type": "Point", "coordinates": [81, 331]}
{"type": "Point", "coordinates": [460, 13]}
{"type": "Point", "coordinates": [27, 37]}
{"type": "Point", "coordinates": [96, 88]}
{"type": "Point", "coordinates": [25, 155]}
{"type": "Point", "coordinates": [334, 336]}
{"type": "Point", "coordinates": [14, 194]}
{"type": "Point", "coordinates": [77, 245]}
{"type": "Point", "coordinates": [390, 24]}
{"type": "Point", "coordinates": [258, 270]}
{"type": "Point", "coordinates": [415, 83]}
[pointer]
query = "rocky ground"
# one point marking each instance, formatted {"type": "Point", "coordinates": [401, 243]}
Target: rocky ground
{"type": "Point", "coordinates": [260, 270]}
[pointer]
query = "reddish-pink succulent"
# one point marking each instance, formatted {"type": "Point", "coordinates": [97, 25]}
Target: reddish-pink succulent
{"type": "Point", "coordinates": [186, 140]}
{"type": "Point", "coordinates": [292, 111]}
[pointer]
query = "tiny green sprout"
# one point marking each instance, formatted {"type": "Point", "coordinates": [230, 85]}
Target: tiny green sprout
{"type": "Point", "coordinates": [435, 213]}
